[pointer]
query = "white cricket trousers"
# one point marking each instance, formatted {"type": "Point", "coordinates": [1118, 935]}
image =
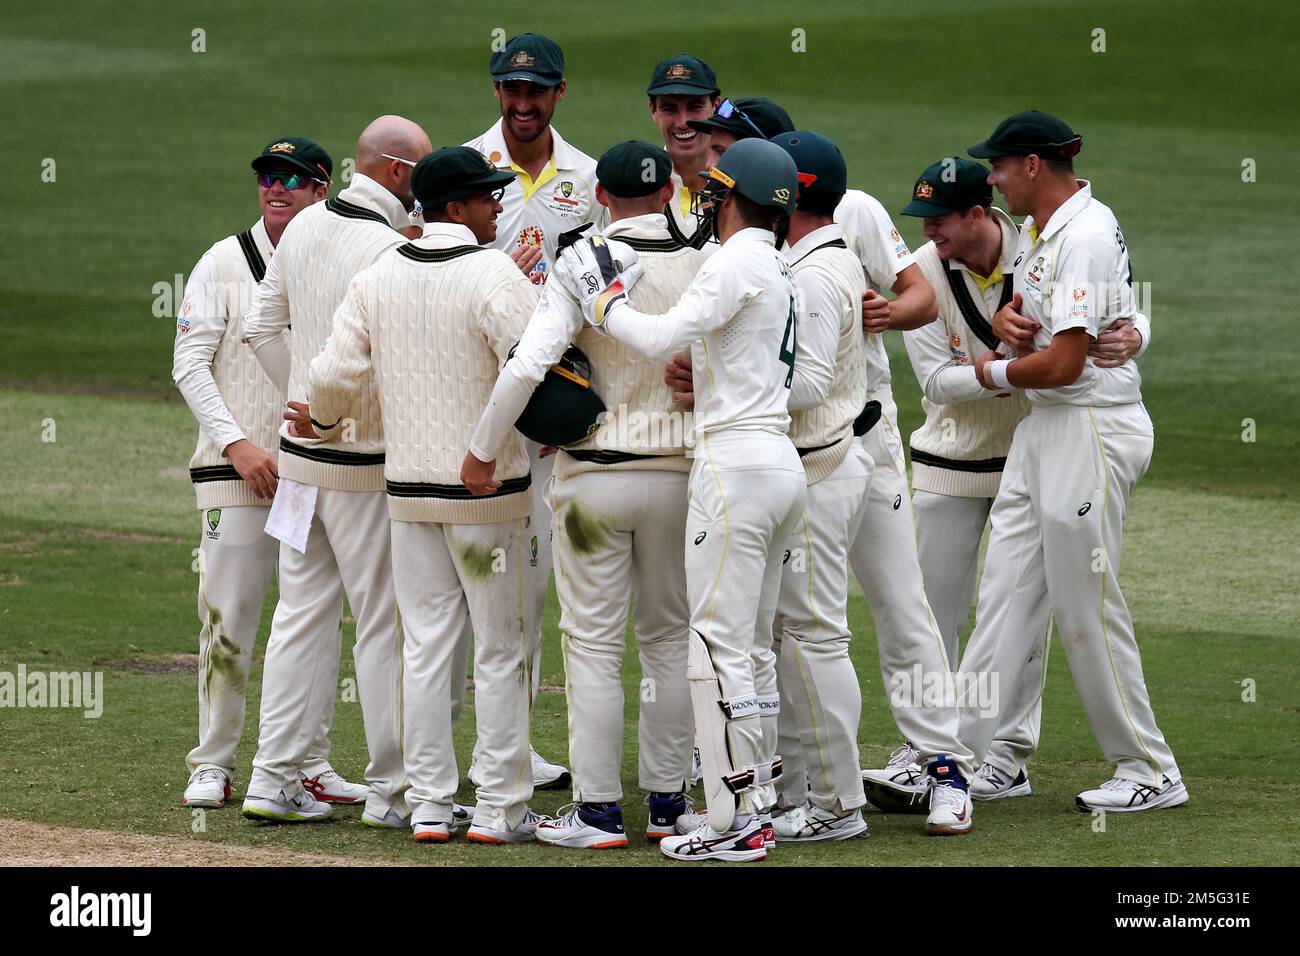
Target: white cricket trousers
{"type": "Point", "coordinates": [538, 544]}
{"type": "Point", "coordinates": [448, 576]}
{"type": "Point", "coordinates": [884, 561]}
{"type": "Point", "coordinates": [747, 491]}
{"type": "Point", "coordinates": [1054, 551]}
{"type": "Point", "coordinates": [236, 564]}
{"type": "Point", "coordinates": [949, 529]}
{"type": "Point", "coordinates": [347, 551]}
{"type": "Point", "coordinates": [821, 700]}
{"type": "Point", "coordinates": [618, 535]}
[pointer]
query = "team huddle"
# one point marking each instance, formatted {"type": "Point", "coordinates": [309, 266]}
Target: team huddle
{"type": "Point", "coordinates": [662, 376]}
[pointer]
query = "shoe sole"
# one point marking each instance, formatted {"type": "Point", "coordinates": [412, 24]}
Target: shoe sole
{"type": "Point", "coordinates": [931, 830]}
{"type": "Point", "coordinates": [432, 837]}
{"type": "Point", "coordinates": [889, 798]}
{"type": "Point", "coordinates": [863, 831]}
{"type": "Point", "coordinates": [477, 837]}
{"type": "Point", "coordinates": [341, 801]}
{"type": "Point", "coordinates": [654, 836]}
{"type": "Point", "coordinates": [614, 843]}
{"type": "Point", "coordinates": [380, 825]}
{"type": "Point", "coordinates": [207, 804]}
{"type": "Point", "coordinates": [559, 783]}
{"type": "Point", "coordinates": [1163, 802]}
{"type": "Point", "coordinates": [255, 813]}
{"type": "Point", "coordinates": [1022, 790]}
{"type": "Point", "coordinates": [725, 856]}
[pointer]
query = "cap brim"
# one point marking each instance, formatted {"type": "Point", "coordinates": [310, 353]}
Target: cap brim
{"type": "Point", "coordinates": [709, 125]}
{"type": "Point", "coordinates": [985, 151]}
{"type": "Point", "coordinates": [666, 89]}
{"type": "Point", "coordinates": [529, 77]}
{"type": "Point", "coordinates": [312, 170]}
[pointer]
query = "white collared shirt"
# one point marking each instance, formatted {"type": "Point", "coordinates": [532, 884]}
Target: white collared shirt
{"type": "Point", "coordinates": [535, 212]}
{"type": "Point", "coordinates": [1075, 274]}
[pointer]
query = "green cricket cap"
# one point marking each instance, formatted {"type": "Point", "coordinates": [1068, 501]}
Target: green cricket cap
{"type": "Point", "coordinates": [1031, 132]}
{"type": "Point", "coordinates": [953, 184]}
{"type": "Point", "coordinates": [299, 152]}
{"type": "Point", "coordinates": [683, 73]}
{"type": "Point", "coordinates": [756, 117]}
{"type": "Point", "coordinates": [452, 173]}
{"type": "Point", "coordinates": [531, 57]}
{"type": "Point", "coordinates": [634, 168]}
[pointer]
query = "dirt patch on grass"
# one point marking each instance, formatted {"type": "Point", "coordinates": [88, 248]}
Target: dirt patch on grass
{"type": "Point", "coordinates": [155, 664]}
{"type": "Point", "coordinates": [39, 844]}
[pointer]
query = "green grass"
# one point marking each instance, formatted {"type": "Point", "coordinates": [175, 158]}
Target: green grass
{"type": "Point", "coordinates": [151, 142]}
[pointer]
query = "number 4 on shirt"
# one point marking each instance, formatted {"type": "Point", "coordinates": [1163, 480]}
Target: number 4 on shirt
{"type": "Point", "coordinates": [791, 337]}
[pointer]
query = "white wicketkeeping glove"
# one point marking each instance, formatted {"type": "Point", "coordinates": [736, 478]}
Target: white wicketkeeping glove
{"type": "Point", "coordinates": [599, 273]}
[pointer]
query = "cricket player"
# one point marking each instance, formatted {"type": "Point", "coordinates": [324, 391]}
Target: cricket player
{"type": "Point", "coordinates": [457, 560]}
{"type": "Point", "coordinates": [620, 503]}
{"type": "Point", "coordinates": [336, 487]}
{"type": "Point", "coordinates": [747, 484]}
{"type": "Point", "coordinates": [1057, 521]}
{"type": "Point", "coordinates": [684, 88]}
{"type": "Point", "coordinates": [821, 702]}
{"type": "Point", "coordinates": [959, 452]}
{"type": "Point", "coordinates": [554, 191]}
{"type": "Point", "coordinates": [238, 408]}
{"type": "Point", "coordinates": [883, 556]}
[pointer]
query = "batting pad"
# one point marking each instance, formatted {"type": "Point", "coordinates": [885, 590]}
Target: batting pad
{"type": "Point", "coordinates": [723, 781]}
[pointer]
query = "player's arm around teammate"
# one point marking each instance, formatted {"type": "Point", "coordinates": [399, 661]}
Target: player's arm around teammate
{"type": "Point", "coordinates": [619, 496]}
{"type": "Point", "coordinates": [821, 702]}
{"type": "Point", "coordinates": [1057, 522]}
{"type": "Point", "coordinates": [234, 474]}
{"type": "Point", "coordinates": [438, 316]}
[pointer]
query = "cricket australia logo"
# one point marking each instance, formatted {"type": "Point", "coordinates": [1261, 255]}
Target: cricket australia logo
{"type": "Point", "coordinates": [213, 518]}
{"type": "Point", "coordinates": [532, 547]}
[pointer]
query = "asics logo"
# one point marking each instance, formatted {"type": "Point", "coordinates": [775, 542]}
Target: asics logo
{"type": "Point", "coordinates": [699, 538]}
{"type": "Point", "coordinates": [898, 502]}
{"type": "Point", "coordinates": [1087, 506]}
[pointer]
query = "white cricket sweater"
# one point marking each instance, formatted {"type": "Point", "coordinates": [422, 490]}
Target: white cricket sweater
{"type": "Point", "coordinates": [831, 284]}
{"type": "Point", "coordinates": [217, 373]}
{"type": "Point", "coordinates": [322, 248]}
{"type": "Point", "coordinates": [641, 417]}
{"type": "Point", "coordinates": [420, 339]}
{"type": "Point", "coordinates": [962, 447]}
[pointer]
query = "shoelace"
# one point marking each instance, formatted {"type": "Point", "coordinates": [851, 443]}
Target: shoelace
{"type": "Point", "coordinates": [1118, 783]}
{"type": "Point", "coordinates": [902, 757]}
{"type": "Point", "coordinates": [209, 774]}
{"type": "Point", "coordinates": [567, 815]}
{"type": "Point", "coordinates": [947, 796]}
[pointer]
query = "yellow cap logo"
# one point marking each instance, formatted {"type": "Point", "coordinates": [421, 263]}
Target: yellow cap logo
{"type": "Point", "coordinates": [523, 58]}
{"type": "Point", "coordinates": [281, 148]}
{"type": "Point", "coordinates": [678, 71]}
{"type": "Point", "coordinates": [924, 190]}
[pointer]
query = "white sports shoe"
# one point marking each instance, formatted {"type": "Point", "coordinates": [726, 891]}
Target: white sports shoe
{"type": "Point", "coordinates": [900, 787]}
{"type": "Point", "coordinates": [1118, 795]}
{"type": "Point", "coordinates": [330, 787]}
{"type": "Point", "coordinates": [690, 821]}
{"type": "Point", "coordinates": [950, 811]}
{"type": "Point", "coordinates": [740, 845]}
{"type": "Point", "coordinates": [810, 823]}
{"type": "Point", "coordinates": [431, 832]}
{"type": "Point", "coordinates": [546, 775]}
{"type": "Point", "coordinates": [990, 783]}
{"type": "Point", "coordinates": [526, 832]}
{"type": "Point", "coordinates": [208, 787]}
{"type": "Point", "coordinates": [391, 820]}
{"type": "Point", "coordinates": [586, 827]}
{"type": "Point", "coordinates": [303, 808]}
{"type": "Point", "coordinates": [461, 816]}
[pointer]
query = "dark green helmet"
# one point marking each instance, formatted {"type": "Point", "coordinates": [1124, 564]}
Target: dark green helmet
{"type": "Point", "coordinates": [563, 408]}
{"type": "Point", "coordinates": [760, 171]}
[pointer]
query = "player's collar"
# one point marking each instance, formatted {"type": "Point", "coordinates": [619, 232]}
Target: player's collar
{"type": "Point", "coordinates": [261, 239]}
{"type": "Point", "coordinates": [649, 226]}
{"type": "Point", "coordinates": [494, 141]}
{"type": "Point", "coordinates": [1065, 212]}
{"type": "Point", "coordinates": [819, 236]}
{"type": "Point", "coordinates": [364, 191]}
{"type": "Point", "coordinates": [441, 235]}
{"type": "Point", "coordinates": [753, 234]}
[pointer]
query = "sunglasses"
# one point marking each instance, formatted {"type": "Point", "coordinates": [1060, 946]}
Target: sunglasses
{"type": "Point", "coordinates": [291, 181]}
{"type": "Point", "coordinates": [398, 159]}
{"type": "Point", "coordinates": [729, 110]}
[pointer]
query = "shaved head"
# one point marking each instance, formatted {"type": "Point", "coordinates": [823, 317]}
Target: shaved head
{"type": "Point", "coordinates": [396, 136]}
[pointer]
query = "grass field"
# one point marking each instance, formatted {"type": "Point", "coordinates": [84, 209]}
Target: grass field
{"type": "Point", "coordinates": [150, 143]}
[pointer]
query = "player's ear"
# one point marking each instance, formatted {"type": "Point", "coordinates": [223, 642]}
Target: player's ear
{"type": "Point", "coordinates": [666, 193]}
{"type": "Point", "coordinates": [496, 91]}
{"type": "Point", "coordinates": [559, 90]}
{"type": "Point", "coordinates": [602, 197]}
